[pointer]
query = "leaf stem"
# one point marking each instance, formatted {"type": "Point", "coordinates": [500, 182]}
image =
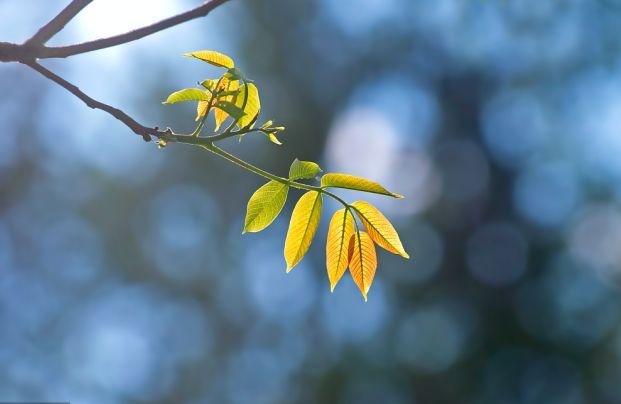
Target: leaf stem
{"type": "Point", "coordinates": [236, 160]}
{"type": "Point", "coordinates": [199, 128]}
{"type": "Point", "coordinates": [207, 142]}
{"type": "Point", "coordinates": [349, 210]}
{"type": "Point", "coordinates": [214, 95]}
{"type": "Point", "coordinates": [228, 133]}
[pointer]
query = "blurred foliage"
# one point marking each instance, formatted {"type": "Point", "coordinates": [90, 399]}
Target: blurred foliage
{"type": "Point", "coordinates": [233, 96]}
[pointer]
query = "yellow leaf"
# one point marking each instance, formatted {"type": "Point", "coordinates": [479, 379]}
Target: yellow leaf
{"type": "Point", "coordinates": [248, 100]}
{"type": "Point", "coordinates": [363, 261]}
{"type": "Point", "coordinates": [302, 227]}
{"type": "Point", "coordinates": [358, 183]}
{"type": "Point", "coordinates": [220, 115]}
{"type": "Point", "coordinates": [233, 85]}
{"type": "Point", "coordinates": [339, 235]}
{"type": "Point", "coordinates": [201, 108]}
{"type": "Point", "coordinates": [212, 57]}
{"type": "Point", "coordinates": [264, 205]}
{"type": "Point", "coordinates": [210, 84]}
{"type": "Point", "coordinates": [188, 94]}
{"type": "Point", "coordinates": [379, 228]}
{"type": "Point", "coordinates": [274, 139]}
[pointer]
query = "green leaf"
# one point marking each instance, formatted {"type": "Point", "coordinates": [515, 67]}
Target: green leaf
{"type": "Point", "coordinates": [209, 84]}
{"type": "Point", "coordinates": [213, 58]}
{"type": "Point", "coordinates": [357, 183]}
{"type": "Point", "coordinates": [227, 93]}
{"type": "Point", "coordinates": [248, 101]}
{"type": "Point", "coordinates": [230, 109]}
{"type": "Point", "coordinates": [303, 170]}
{"type": "Point", "coordinates": [234, 74]}
{"type": "Point", "coordinates": [264, 205]}
{"type": "Point", "coordinates": [188, 94]}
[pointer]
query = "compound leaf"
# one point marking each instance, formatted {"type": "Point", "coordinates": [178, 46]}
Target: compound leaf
{"type": "Point", "coordinates": [357, 183]}
{"type": "Point", "coordinates": [303, 170]}
{"type": "Point", "coordinates": [188, 94]}
{"type": "Point", "coordinates": [363, 262]}
{"type": "Point", "coordinates": [339, 235]}
{"type": "Point", "coordinates": [213, 58]}
{"type": "Point", "coordinates": [379, 228]}
{"type": "Point", "coordinates": [302, 227]}
{"type": "Point", "coordinates": [265, 205]}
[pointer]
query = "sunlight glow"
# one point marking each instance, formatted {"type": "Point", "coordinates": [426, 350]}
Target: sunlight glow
{"type": "Point", "coordinates": [114, 17]}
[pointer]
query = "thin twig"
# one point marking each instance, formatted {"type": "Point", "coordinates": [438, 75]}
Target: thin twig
{"type": "Point", "coordinates": [244, 164]}
{"type": "Point", "coordinates": [57, 23]}
{"type": "Point", "coordinates": [70, 50]}
{"type": "Point", "coordinates": [34, 49]}
{"type": "Point", "coordinates": [136, 127]}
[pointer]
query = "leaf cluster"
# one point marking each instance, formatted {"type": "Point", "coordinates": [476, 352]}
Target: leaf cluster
{"type": "Point", "coordinates": [347, 244]}
{"type": "Point", "coordinates": [354, 230]}
{"type": "Point", "coordinates": [231, 95]}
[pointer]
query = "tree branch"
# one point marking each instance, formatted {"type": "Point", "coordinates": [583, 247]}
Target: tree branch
{"type": "Point", "coordinates": [45, 52]}
{"type": "Point", "coordinates": [136, 127]}
{"type": "Point", "coordinates": [57, 23]}
{"type": "Point", "coordinates": [30, 51]}
{"type": "Point", "coordinates": [34, 49]}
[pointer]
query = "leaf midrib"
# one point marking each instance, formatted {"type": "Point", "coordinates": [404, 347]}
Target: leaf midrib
{"type": "Point", "coordinates": [361, 263]}
{"type": "Point", "coordinates": [343, 230]}
{"type": "Point", "coordinates": [297, 253]}
{"type": "Point", "coordinates": [262, 210]}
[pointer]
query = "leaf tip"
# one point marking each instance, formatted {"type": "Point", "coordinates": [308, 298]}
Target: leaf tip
{"type": "Point", "coordinates": [398, 196]}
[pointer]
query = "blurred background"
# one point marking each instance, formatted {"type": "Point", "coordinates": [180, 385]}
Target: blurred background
{"type": "Point", "coordinates": [124, 276]}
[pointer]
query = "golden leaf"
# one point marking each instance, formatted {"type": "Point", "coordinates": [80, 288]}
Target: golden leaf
{"type": "Point", "coordinates": [339, 235]}
{"type": "Point", "coordinates": [220, 115]}
{"type": "Point", "coordinates": [213, 58]}
{"type": "Point", "coordinates": [363, 261]}
{"type": "Point", "coordinates": [302, 227]}
{"type": "Point", "coordinates": [201, 109]}
{"type": "Point", "coordinates": [379, 228]}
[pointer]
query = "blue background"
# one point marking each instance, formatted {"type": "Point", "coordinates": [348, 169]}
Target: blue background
{"type": "Point", "coordinates": [123, 273]}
